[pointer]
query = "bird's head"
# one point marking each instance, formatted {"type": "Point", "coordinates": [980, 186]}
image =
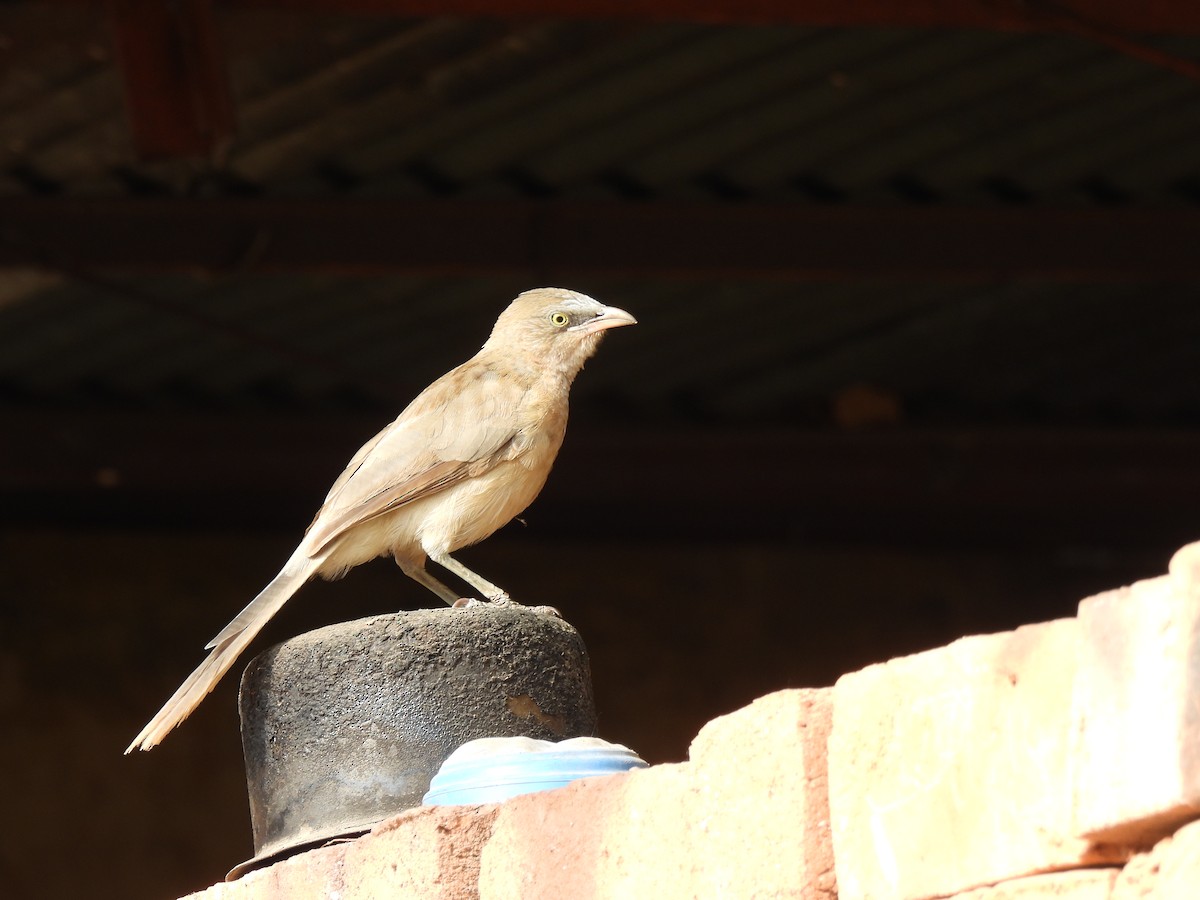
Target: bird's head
{"type": "Point", "coordinates": [558, 328]}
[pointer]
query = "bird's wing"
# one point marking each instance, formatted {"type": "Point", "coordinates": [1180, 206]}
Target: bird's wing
{"type": "Point", "coordinates": [460, 427]}
{"type": "Point", "coordinates": [352, 467]}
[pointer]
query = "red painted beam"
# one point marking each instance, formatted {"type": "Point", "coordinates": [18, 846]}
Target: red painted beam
{"type": "Point", "coordinates": [1118, 16]}
{"type": "Point", "coordinates": [176, 87]}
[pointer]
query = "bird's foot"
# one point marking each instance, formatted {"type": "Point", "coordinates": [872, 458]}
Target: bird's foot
{"type": "Point", "coordinates": [503, 601]}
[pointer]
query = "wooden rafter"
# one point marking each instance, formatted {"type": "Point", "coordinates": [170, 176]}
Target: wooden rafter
{"type": "Point", "coordinates": [802, 242]}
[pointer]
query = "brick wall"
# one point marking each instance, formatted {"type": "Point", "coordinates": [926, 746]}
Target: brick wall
{"type": "Point", "coordinates": [1059, 760]}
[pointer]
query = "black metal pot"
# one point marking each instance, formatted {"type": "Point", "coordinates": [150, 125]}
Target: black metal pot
{"type": "Point", "coordinates": [346, 725]}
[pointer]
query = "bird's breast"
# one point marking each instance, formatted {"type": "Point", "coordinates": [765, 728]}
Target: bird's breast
{"type": "Point", "coordinates": [471, 510]}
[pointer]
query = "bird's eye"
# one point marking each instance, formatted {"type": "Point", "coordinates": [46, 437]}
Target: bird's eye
{"type": "Point", "coordinates": [558, 319]}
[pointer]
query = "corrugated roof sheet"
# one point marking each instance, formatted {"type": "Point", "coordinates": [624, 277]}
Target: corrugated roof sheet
{"type": "Point", "coordinates": [331, 105]}
{"type": "Point", "coordinates": [428, 106]}
{"type": "Point", "coordinates": [717, 353]}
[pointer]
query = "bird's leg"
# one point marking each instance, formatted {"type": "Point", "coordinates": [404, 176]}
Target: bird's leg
{"type": "Point", "coordinates": [497, 595]}
{"type": "Point", "coordinates": [418, 574]}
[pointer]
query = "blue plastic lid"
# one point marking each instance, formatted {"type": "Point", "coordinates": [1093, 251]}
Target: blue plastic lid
{"type": "Point", "coordinates": [489, 770]}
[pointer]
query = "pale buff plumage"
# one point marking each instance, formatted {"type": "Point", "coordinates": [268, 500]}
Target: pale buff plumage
{"type": "Point", "coordinates": [465, 457]}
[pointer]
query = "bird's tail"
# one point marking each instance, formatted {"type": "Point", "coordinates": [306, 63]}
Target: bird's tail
{"type": "Point", "coordinates": [226, 648]}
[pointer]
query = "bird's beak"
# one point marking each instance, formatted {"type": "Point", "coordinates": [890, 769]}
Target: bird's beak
{"type": "Point", "coordinates": [609, 317]}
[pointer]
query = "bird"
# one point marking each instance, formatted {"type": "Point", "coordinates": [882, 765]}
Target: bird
{"type": "Point", "coordinates": [465, 457]}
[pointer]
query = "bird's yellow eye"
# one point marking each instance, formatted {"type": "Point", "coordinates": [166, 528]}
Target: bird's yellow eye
{"type": "Point", "coordinates": [558, 319]}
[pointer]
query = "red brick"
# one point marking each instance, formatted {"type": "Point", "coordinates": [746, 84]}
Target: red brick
{"type": "Point", "coordinates": [1137, 772]}
{"type": "Point", "coordinates": [951, 769]}
{"type": "Point", "coordinates": [1079, 884]}
{"type": "Point", "coordinates": [431, 853]}
{"type": "Point", "coordinates": [1170, 871]}
{"type": "Point", "coordinates": [744, 818]}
